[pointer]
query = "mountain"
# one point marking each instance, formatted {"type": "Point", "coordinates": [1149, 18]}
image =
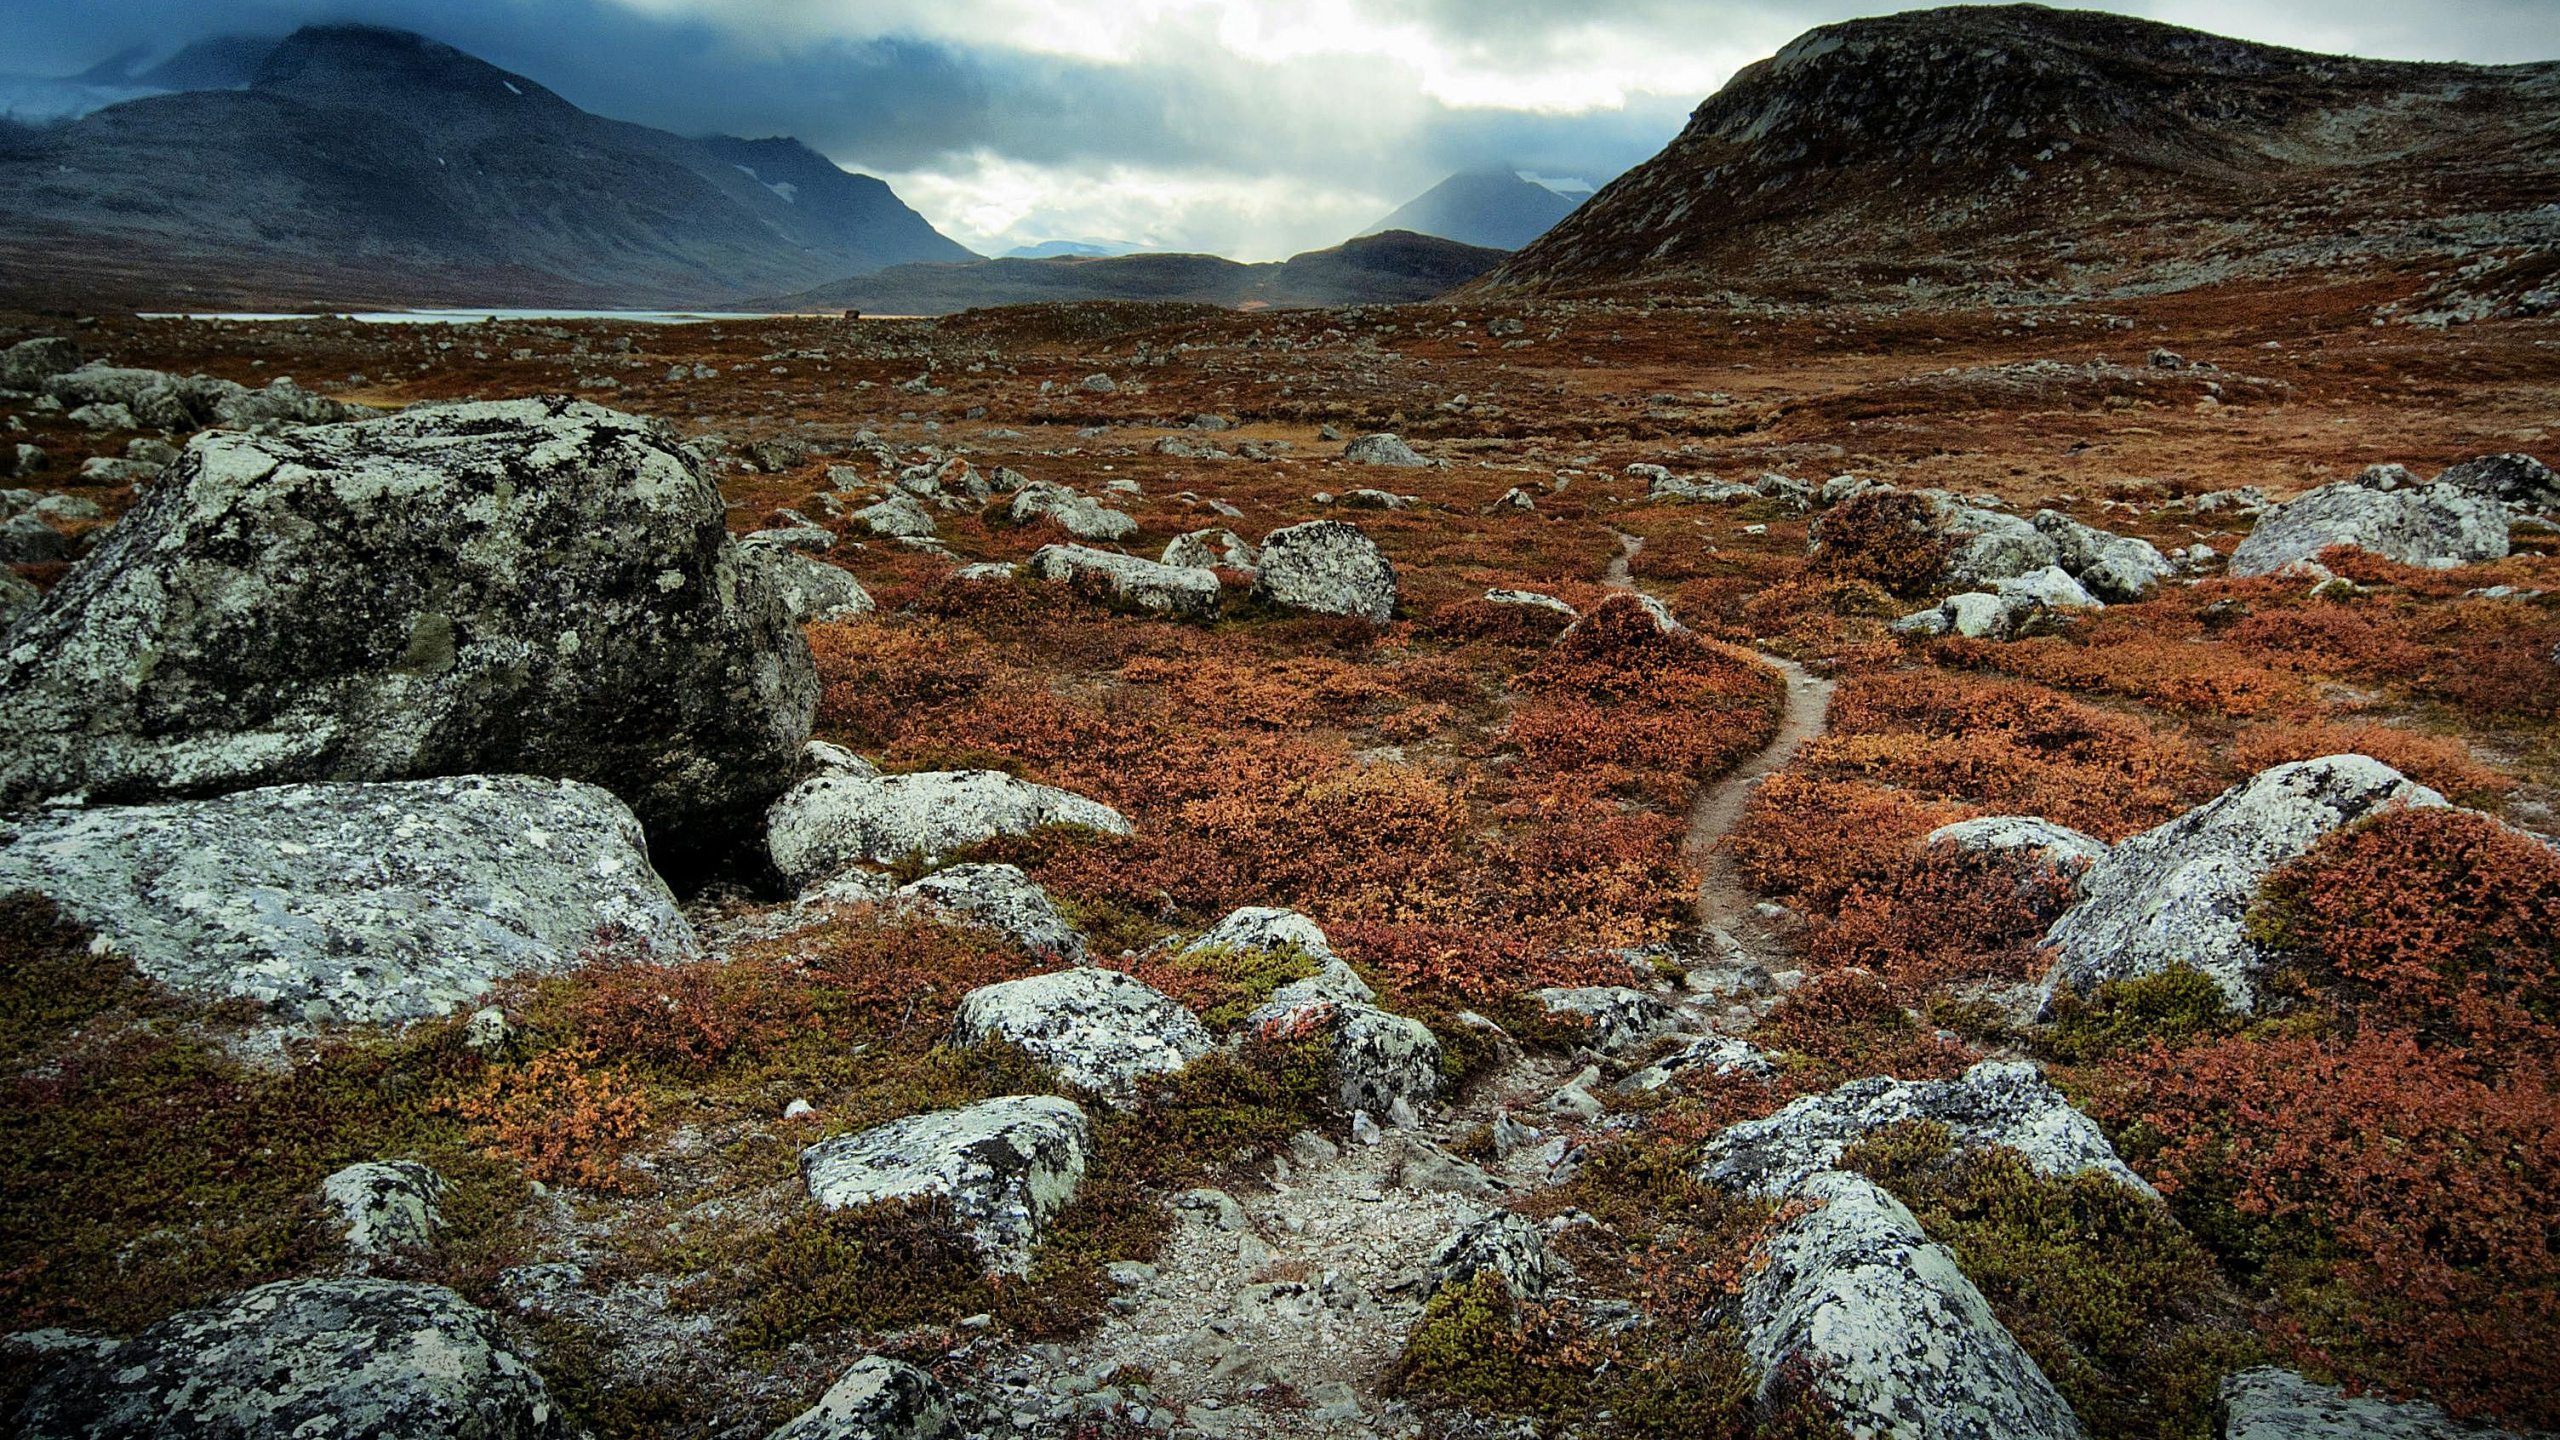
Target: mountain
{"type": "Point", "coordinates": [365, 165]}
{"type": "Point", "coordinates": [1492, 208]}
{"type": "Point", "coordinates": [1374, 269]}
{"type": "Point", "coordinates": [1055, 249]}
{"type": "Point", "coordinates": [2017, 152]}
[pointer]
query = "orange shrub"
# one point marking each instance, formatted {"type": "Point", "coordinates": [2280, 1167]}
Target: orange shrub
{"type": "Point", "coordinates": [1883, 537]}
{"type": "Point", "coordinates": [1809, 842]}
{"type": "Point", "coordinates": [879, 678]}
{"type": "Point", "coordinates": [1944, 915]}
{"type": "Point", "coordinates": [562, 1121]}
{"type": "Point", "coordinates": [673, 1019]}
{"type": "Point", "coordinates": [1666, 708]}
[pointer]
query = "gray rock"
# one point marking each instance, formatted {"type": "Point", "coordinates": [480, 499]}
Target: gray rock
{"type": "Point", "coordinates": [1007, 1166]}
{"type": "Point", "coordinates": [2510, 479]}
{"type": "Point", "coordinates": [2245, 501]}
{"type": "Point", "coordinates": [1998, 1102]}
{"type": "Point", "coordinates": [2050, 588]}
{"type": "Point", "coordinates": [1376, 1059]}
{"type": "Point", "coordinates": [2267, 1403]}
{"type": "Point", "coordinates": [1383, 449]}
{"type": "Point", "coordinates": [1000, 898]}
{"type": "Point", "coordinates": [304, 1357]}
{"type": "Point", "coordinates": [1532, 600]}
{"type": "Point", "coordinates": [878, 1399]}
{"type": "Point", "coordinates": [1079, 515]}
{"type": "Point", "coordinates": [1845, 487]}
{"type": "Point", "coordinates": [1795, 494]}
{"type": "Point", "coordinates": [2437, 528]}
{"type": "Point", "coordinates": [1504, 1243]}
{"type": "Point", "coordinates": [899, 515]}
{"type": "Point", "coordinates": [2180, 894]}
{"type": "Point", "coordinates": [830, 821]}
{"type": "Point", "coordinates": [2115, 568]}
{"type": "Point", "coordinates": [1099, 1029]}
{"type": "Point", "coordinates": [1365, 499]}
{"type": "Point", "coordinates": [388, 1206]}
{"type": "Point", "coordinates": [1980, 615]}
{"type": "Point", "coordinates": [172, 402]}
{"type": "Point", "coordinates": [1886, 1329]}
{"type": "Point", "coordinates": [103, 417]}
{"type": "Point", "coordinates": [1621, 1019]}
{"type": "Point", "coordinates": [370, 904]}
{"type": "Point", "coordinates": [1930, 622]}
{"type": "Point", "coordinates": [1206, 549]}
{"type": "Point", "coordinates": [18, 595]}
{"type": "Point", "coordinates": [2030, 838]}
{"type": "Point", "coordinates": [1711, 1054]}
{"type": "Point", "coordinates": [985, 572]}
{"type": "Point", "coordinates": [1699, 487]}
{"type": "Point", "coordinates": [1515, 499]}
{"type": "Point", "coordinates": [813, 591]}
{"type": "Point", "coordinates": [1329, 567]}
{"type": "Point", "coordinates": [26, 459]}
{"type": "Point", "coordinates": [26, 540]}
{"type": "Point", "coordinates": [1168, 589]}
{"type": "Point", "coordinates": [1101, 384]}
{"type": "Point", "coordinates": [30, 363]}
{"type": "Point", "coordinates": [529, 586]}
{"type": "Point", "coordinates": [1266, 929]}
{"type": "Point", "coordinates": [810, 539]}
{"type": "Point", "coordinates": [1985, 546]}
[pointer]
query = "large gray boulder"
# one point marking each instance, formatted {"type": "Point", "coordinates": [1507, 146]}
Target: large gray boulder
{"type": "Point", "coordinates": [1998, 1102]}
{"type": "Point", "coordinates": [2115, 568]}
{"type": "Point", "coordinates": [30, 363]}
{"type": "Point", "coordinates": [541, 587]}
{"type": "Point", "coordinates": [2267, 1403]}
{"type": "Point", "coordinates": [831, 821]}
{"type": "Point", "coordinates": [27, 540]}
{"type": "Point", "coordinates": [1985, 546]}
{"type": "Point", "coordinates": [1006, 1166]}
{"type": "Point", "coordinates": [897, 517]}
{"type": "Point", "coordinates": [1329, 567]}
{"type": "Point", "coordinates": [813, 592]}
{"type": "Point", "coordinates": [878, 1399]}
{"type": "Point", "coordinates": [1171, 589]}
{"type": "Point", "coordinates": [1267, 929]}
{"type": "Point", "coordinates": [337, 904]}
{"type": "Point", "coordinates": [2511, 479]}
{"type": "Point", "coordinates": [2438, 527]}
{"type": "Point", "coordinates": [1098, 1029]}
{"type": "Point", "coordinates": [1383, 449]}
{"type": "Point", "coordinates": [2180, 894]}
{"type": "Point", "coordinates": [1211, 549]}
{"type": "Point", "coordinates": [999, 898]}
{"type": "Point", "coordinates": [304, 1357]}
{"type": "Point", "coordinates": [1856, 1302]}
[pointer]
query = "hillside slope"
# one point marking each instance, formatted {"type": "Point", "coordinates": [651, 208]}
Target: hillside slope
{"type": "Point", "coordinates": [2018, 152]}
{"type": "Point", "coordinates": [377, 164]}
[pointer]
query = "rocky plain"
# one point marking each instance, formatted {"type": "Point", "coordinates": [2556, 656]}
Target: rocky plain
{"type": "Point", "coordinates": [1514, 866]}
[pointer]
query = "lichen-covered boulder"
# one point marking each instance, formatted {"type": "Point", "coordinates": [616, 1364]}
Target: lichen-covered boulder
{"type": "Point", "coordinates": [999, 898]}
{"type": "Point", "coordinates": [1712, 1054]}
{"type": "Point", "coordinates": [388, 1206]}
{"type": "Point", "coordinates": [1376, 1059]}
{"type": "Point", "coordinates": [303, 1357]}
{"type": "Point", "coordinates": [1998, 1102]}
{"type": "Point", "coordinates": [1170, 589]}
{"type": "Point", "coordinates": [2029, 841]}
{"type": "Point", "coordinates": [830, 821]}
{"type": "Point", "coordinates": [336, 904]}
{"type": "Point", "coordinates": [1266, 929]}
{"type": "Point", "coordinates": [1328, 567]}
{"type": "Point", "coordinates": [1079, 515]}
{"type": "Point", "coordinates": [897, 517]}
{"type": "Point", "coordinates": [1099, 1029]}
{"type": "Point", "coordinates": [2180, 894]}
{"type": "Point", "coordinates": [1505, 1243]}
{"type": "Point", "coordinates": [27, 540]}
{"type": "Point", "coordinates": [1531, 600]}
{"type": "Point", "coordinates": [1383, 449]}
{"type": "Point", "coordinates": [2438, 527]}
{"type": "Point", "coordinates": [540, 587]}
{"type": "Point", "coordinates": [2510, 479]}
{"type": "Point", "coordinates": [2268, 1403]}
{"type": "Point", "coordinates": [2115, 568]}
{"type": "Point", "coordinates": [813, 591]}
{"type": "Point", "coordinates": [18, 595]}
{"type": "Point", "coordinates": [1621, 1019]}
{"type": "Point", "coordinates": [1985, 546]}
{"type": "Point", "coordinates": [878, 1399]}
{"type": "Point", "coordinates": [1211, 549]}
{"type": "Point", "coordinates": [30, 363]}
{"type": "Point", "coordinates": [1855, 1301]}
{"type": "Point", "coordinates": [2049, 588]}
{"type": "Point", "coordinates": [1007, 1166]}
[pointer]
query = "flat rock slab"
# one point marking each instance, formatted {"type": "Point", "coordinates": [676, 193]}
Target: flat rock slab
{"type": "Point", "coordinates": [348, 904]}
{"type": "Point", "coordinates": [1007, 1166]}
{"type": "Point", "coordinates": [1099, 1029]}
{"type": "Point", "coordinates": [1886, 1329]}
{"type": "Point", "coordinates": [2180, 894]}
{"type": "Point", "coordinates": [304, 1357]}
{"type": "Point", "coordinates": [2268, 1403]}
{"type": "Point", "coordinates": [1998, 1102]}
{"type": "Point", "coordinates": [533, 587]}
{"type": "Point", "coordinates": [2437, 528]}
{"type": "Point", "coordinates": [831, 821]}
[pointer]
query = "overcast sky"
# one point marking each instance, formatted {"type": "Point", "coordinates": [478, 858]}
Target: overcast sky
{"type": "Point", "coordinates": [1253, 128]}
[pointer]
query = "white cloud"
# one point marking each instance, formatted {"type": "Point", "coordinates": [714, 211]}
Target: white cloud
{"type": "Point", "coordinates": [992, 204]}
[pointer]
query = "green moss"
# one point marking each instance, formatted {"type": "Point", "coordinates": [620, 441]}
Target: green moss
{"type": "Point", "coordinates": [1470, 1347]}
{"type": "Point", "coordinates": [595, 1398]}
{"type": "Point", "coordinates": [2120, 1306]}
{"type": "Point", "coordinates": [2175, 1006]}
{"type": "Point", "coordinates": [1236, 980]}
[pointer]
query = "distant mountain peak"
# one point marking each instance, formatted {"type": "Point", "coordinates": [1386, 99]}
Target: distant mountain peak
{"type": "Point", "coordinates": [1493, 208]}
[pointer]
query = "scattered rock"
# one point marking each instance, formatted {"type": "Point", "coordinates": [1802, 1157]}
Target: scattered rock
{"type": "Point", "coordinates": [29, 363]}
{"type": "Point", "coordinates": [1383, 449]}
{"type": "Point", "coordinates": [1000, 898]}
{"type": "Point", "coordinates": [26, 540]}
{"type": "Point", "coordinates": [304, 1357]}
{"type": "Point", "coordinates": [389, 1207]}
{"type": "Point", "coordinates": [1170, 589]}
{"type": "Point", "coordinates": [1621, 1019]}
{"type": "Point", "coordinates": [1329, 567]}
{"type": "Point", "coordinates": [1099, 1029]}
{"type": "Point", "coordinates": [813, 591]}
{"type": "Point", "coordinates": [1998, 1102]}
{"type": "Point", "coordinates": [830, 821]}
{"type": "Point", "coordinates": [1533, 600]}
{"type": "Point", "coordinates": [1714, 1054]}
{"type": "Point", "coordinates": [2180, 894]}
{"type": "Point", "coordinates": [1079, 515]}
{"type": "Point", "coordinates": [1265, 929]}
{"type": "Point", "coordinates": [538, 587]}
{"type": "Point", "coordinates": [878, 1399]}
{"type": "Point", "coordinates": [2438, 527]}
{"type": "Point", "coordinates": [340, 904]}
{"type": "Point", "coordinates": [2116, 568]}
{"type": "Point", "coordinates": [2510, 479]}
{"type": "Point", "coordinates": [1886, 1329]}
{"type": "Point", "coordinates": [1985, 546]}
{"type": "Point", "coordinates": [898, 515]}
{"type": "Point", "coordinates": [1505, 1243]}
{"type": "Point", "coordinates": [1206, 549]}
{"type": "Point", "coordinates": [1007, 1166]}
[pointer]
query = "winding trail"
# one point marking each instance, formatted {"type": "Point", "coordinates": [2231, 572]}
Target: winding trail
{"type": "Point", "coordinates": [1725, 905]}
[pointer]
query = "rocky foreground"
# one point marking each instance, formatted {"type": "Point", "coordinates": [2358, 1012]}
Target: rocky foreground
{"type": "Point", "coordinates": [526, 919]}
